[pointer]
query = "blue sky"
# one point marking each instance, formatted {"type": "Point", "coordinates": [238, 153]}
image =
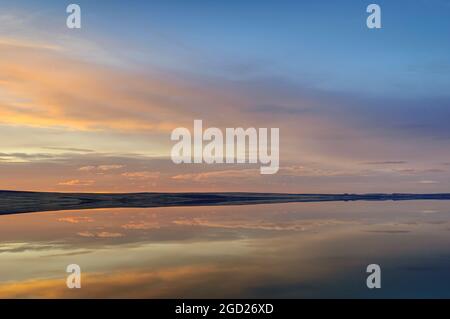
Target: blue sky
{"type": "Point", "coordinates": [324, 44]}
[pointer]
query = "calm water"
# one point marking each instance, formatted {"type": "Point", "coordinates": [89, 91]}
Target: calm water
{"type": "Point", "coordinates": [295, 250]}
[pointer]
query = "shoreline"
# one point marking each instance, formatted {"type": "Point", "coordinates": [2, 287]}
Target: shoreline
{"type": "Point", "coordinates": [17, 202]}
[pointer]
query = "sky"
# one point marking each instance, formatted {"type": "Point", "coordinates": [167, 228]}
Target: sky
{"type": "Point", "coordinates": [92, 109]}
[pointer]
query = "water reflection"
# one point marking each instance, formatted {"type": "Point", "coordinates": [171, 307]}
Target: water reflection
{"type": "Point", "coordinates": [292, 250]}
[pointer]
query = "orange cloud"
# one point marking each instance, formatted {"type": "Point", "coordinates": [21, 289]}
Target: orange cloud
{"type": "Point", "coordinates": [141, 225]}
{"type": "Point", "coordinates": [76, 182]}
{"type": "Point", "coordinates": [44, 106]}
{"type": "Point", "coordinates": [235, 173]}
{"type": "Point", "coordinates": [142, 175]}
{"type": "Point", "coordinates": [46, 87]}
{"type": "Point", "coordinates": [100, 168]}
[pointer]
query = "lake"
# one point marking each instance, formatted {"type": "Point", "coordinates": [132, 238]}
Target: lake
{"type": "Point", "coordinates": [291, 250]}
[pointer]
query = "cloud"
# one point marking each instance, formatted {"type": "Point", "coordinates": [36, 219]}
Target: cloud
{"type": "Point", "coordinates": [70, 149]}
{"type": "Point", "coordinates": [300, 170]}
{"type": "Point", "coordinates": [434, 170]}
{"type": "Point", "coordinates": [141, 225]}
{"type": "Point", "coordinates": [103, 168]}
{"type": "Point", "coordinates": [87, 168]}
{"type": "Point", "coordinates": [77, 182]}
{"type": "Point", "coordinates": [238, 173]}
{"type": "Point", "coordinates": [429, 211]}
{"type": "Point", "coordinates": [142, 175]}
{"type": "Point", "coordinates": [28, 44]}
{"type": "Point", "coordinates": [108, 167]}
{"type": "Point", "coordinates": [103, 234]}
{"type": "Point", "coordinates": [25, 157]}
{"type": "Point", "coordinates": [386, 163]}
{"type": "Point", "coordinates": [18, 247]}
{"type": "Point", "coordinates": [428, 182]}
{"type": "Point", "coordinates": [86, 234]}
{"type": "Point", "coordinates": [96, 99]}
{"type": "Point", "coordinates": [293, 170]}
{"type": "Point", "coordinates": [389, 231]}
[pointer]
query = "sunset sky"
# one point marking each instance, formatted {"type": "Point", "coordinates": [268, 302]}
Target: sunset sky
{"type": "Point", "coordinates": [91, 110]}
